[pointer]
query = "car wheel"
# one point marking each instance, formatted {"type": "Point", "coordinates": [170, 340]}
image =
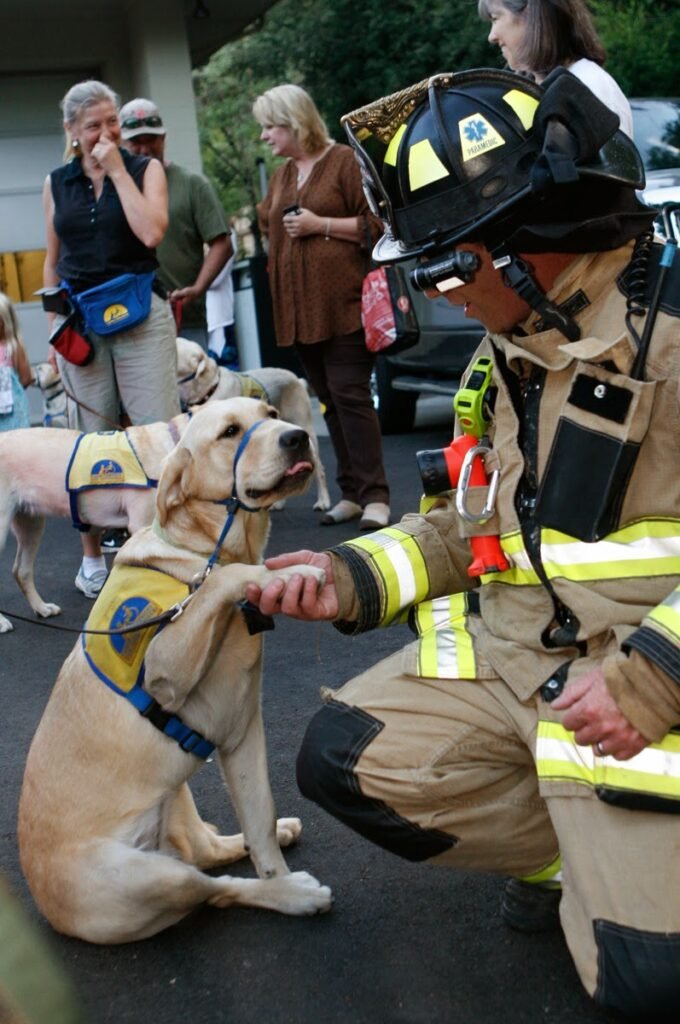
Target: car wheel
{"type": "Point", "coordinates": [396, 409]}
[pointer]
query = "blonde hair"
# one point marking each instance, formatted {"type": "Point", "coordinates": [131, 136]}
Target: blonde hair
{"type": "Point", "coordinates": [10, 334]}
{"type": "Point", "coordinates": [292, 107]}
{"type": "Point", "coordinates": [76, 101]}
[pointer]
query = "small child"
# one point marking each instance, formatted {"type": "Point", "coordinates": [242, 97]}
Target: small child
{"type": "Point", "coordinates": [15, 370]}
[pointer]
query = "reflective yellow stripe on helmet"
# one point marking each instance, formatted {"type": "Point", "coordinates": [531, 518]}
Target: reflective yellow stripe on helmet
{"type": "Point", "coordinates": [445, 650]}
{"type": "Point", "coordinates": [397, 560]}
{"type": "Point", "coordinates": [424, 166]}
{"type": "Point", "coordinates": [654, 772]}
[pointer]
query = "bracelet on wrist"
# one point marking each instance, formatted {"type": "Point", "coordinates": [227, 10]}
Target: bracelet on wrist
{"type": "Point", "coordinates": [327, 233]}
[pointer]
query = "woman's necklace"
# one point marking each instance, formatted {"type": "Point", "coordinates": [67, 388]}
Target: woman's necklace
{"type": "Point", "coordinates": [307, 168]}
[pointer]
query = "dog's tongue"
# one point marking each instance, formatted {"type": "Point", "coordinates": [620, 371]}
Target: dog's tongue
{"type": "Point", "coordinates": [299, 467]}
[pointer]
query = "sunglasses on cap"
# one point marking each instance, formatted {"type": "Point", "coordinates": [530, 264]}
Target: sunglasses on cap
{"type": "Point", "coordinates": [152, 121]}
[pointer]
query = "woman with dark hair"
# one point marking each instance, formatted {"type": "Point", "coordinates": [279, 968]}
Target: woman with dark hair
{"type": "Point", "coordinates": [319, 227]}
{"type": "Point", "coordinates": [536, 36]}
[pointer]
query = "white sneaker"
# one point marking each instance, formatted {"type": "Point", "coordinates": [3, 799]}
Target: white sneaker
{"type": "Point", "coordinates": [91, 585]}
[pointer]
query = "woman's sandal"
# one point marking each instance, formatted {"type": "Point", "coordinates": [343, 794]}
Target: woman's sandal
{"type": "Point", "coordinates": [375, 516]}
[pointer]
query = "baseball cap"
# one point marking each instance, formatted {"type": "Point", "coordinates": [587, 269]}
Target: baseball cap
{"type": "Point", "coordinates": [140, 117]}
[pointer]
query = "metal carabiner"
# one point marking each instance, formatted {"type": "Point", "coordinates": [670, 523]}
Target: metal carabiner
{"type": "Point", "coordinates": [464, 482]}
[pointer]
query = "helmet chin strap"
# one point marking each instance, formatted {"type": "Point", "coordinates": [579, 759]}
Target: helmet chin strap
{"type": "Point", "coordinates": [517, 276]}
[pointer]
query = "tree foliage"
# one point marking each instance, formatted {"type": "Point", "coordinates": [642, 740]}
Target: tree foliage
{"type": "Point", "coordinates": [349, 52]}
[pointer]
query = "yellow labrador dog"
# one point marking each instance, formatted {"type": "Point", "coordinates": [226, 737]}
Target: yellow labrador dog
{"type": "Point", "coordinates": [34, 465]}
{"type": "Point", "coordinates": [111, 843]}
{"type": "Point", "coordinates": [201, 380]}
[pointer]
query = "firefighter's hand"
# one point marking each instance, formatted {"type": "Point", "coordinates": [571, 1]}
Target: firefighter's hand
{"type": "Point", "coordinates": [594, 717]}
{"type": "Point", "coordinates": [299, 597]}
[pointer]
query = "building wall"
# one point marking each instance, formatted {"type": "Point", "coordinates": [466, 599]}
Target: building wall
{"type": "Point", "coordinates": [139, 49]}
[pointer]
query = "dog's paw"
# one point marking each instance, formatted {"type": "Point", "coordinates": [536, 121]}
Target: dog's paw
{"type": "Point", "coordinates": [288, 831]}
{"type": "Point", "coordinates": [300, 570]}
{"type": "Point", "coordinates": [5, 625]}
{"type": "Point", "coordinates": [46, 610]}
{"type": "Point", "coordinates": [301, 894]}
{"type": "Point", "coordinates": [322, 505]}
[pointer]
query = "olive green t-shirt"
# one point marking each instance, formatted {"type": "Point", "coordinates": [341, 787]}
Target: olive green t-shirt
{"type": "Point", "coordinates": [195, 216]}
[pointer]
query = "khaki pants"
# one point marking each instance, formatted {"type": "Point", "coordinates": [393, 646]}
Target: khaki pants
{"type": "Point", "coordinates": [136, 369]}
{"type": "Point", "coordinates": [444, 770]}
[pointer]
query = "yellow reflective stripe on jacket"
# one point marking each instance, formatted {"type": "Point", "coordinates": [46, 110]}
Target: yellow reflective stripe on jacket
{"type": "Point", "coordinates": [521, 572]}
{"type": "Point", "coordinates": [655, 771]}
{"type": "Point", "coordinates": [667, 615]}
{"type": "Point", "coordinates": [396, 558]}
{"type": "Point", "coordinates": [550, 875]}
{"type": "Point", "coordinates": [647, 548]}
{"type": "Point", "coordinates": [446, 648]}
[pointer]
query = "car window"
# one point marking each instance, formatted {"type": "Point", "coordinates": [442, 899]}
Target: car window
{"type": "Point", "coordinates": [657, 132]}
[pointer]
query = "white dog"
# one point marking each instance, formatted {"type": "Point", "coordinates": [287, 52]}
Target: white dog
{"type": "Point", "coordinates": [33, 469]}
{"type": "Point", "coordinates": [201, 379]}
{"type": "Point", "coordinates": [111, 842]}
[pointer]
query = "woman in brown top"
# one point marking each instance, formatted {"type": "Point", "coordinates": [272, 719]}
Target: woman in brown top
{"type": "Point", "coordinates": [319, 229]}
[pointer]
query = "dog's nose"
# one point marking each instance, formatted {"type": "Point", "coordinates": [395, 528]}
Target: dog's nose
{"type": "Point", "coordinates": [296, 440]}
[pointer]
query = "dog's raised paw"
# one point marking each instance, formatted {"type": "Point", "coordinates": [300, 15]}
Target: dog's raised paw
{"type": "Point", "coordinates": [288, 831]}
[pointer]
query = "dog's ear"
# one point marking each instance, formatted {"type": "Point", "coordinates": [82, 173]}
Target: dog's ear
{"type": "Point", "coordinates": [170, 491]}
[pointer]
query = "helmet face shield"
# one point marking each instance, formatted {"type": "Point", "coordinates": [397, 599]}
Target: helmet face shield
{"type": "Point", "coordinates": [452, 158]}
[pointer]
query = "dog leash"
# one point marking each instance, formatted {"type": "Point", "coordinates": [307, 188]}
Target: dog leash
{"type": "Point", "coordinates": [83, 405]}
{"type": "Point", "coordinates": [167, 616]}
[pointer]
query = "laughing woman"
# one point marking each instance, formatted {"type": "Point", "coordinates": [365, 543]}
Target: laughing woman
{"type": "Point", "coordinates": [105, 211]}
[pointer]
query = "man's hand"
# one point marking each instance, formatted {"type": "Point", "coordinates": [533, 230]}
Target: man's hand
{"type": "Point", "coordinates": [593, 715]}
{"type": "Point", "coordinates": [188, 294]}
{"type": "Point", "coordinates": [299, 598]}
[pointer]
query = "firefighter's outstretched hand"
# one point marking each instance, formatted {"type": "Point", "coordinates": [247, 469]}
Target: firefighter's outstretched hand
{"type": "Point", "coordinates": [594, 717]}
{"type": "Point", "coordinates": [298, 597]}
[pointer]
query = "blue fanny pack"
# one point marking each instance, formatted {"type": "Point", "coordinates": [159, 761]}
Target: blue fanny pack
{"type": "Point", "coordinates": [119, 304]}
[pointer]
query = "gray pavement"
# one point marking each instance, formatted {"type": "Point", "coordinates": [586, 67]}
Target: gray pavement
{"type": "Point", "coordinates": [404, 944]}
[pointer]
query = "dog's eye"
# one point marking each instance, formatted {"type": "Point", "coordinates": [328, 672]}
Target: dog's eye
{"type": "Point", "coordinates": [273, 414]}
{"type": "Point", "coordinates": [231, 431]}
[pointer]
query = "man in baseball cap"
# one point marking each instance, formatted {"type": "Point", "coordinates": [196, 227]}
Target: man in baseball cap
{"type": "Point", "coordinates": [140, 117]}
{"type": "Point", "coordinates": [196, 219]}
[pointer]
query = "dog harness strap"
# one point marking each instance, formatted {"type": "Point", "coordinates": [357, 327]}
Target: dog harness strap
{"type": "Point", "coordinates": [232, 504]}
{"type": "Point", "coordinates": [170, 725]}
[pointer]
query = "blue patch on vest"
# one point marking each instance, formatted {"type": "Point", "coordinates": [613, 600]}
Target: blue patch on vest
{"type": "Point", "coordinates": [127, 613]}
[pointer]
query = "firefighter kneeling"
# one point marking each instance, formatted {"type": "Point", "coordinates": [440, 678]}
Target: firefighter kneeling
{"type": "Point", "coordinates": [544, 745]}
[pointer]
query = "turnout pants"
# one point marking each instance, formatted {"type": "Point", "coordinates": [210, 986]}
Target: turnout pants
{"type": "Point", "coordinates": [444, 770]}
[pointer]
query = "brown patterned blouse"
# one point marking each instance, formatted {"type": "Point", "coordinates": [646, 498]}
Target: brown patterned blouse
{"type": "Point", "coordinates": [316, 282]}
